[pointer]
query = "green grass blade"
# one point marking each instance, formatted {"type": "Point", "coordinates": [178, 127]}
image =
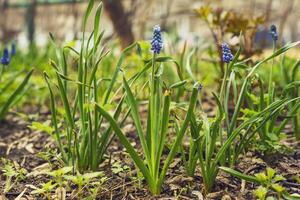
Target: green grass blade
{"type": "Point", "coordinates": [116, 72]}
{"type": "Point", "coordinates": [240, 175]}
{"type": "Point", "coordinates": [97, 22]}
{"type": "Point", "coordinates": [179, 137]}
{"type": "Point", "coordinates": [276, 53]}
{"type": "Point", "coordinates": [138, 161]}
{"type": "Point", "coordinates": [134, 113]}
{"type": "Point", "coordinates": [164, 128]}
{"type": "Point", "coordinates": [295, 70]}
{"type": "Point", "coordinates": [65, 101]}
{"type": "Point", "coordinates": [54, 118]}
{"type": "Point", "coordinates": [15, 94]}
{"type": "Point", "coordinates": [87, 13]}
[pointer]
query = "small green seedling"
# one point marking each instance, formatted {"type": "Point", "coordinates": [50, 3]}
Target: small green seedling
{"type": "Point", "coordinates": [95, 188]}
{"type": "Point", "coordinates": [59, 174]}
{"type": "Point", "coordinates": [83, 180]}
{"type": "Point", "coordinates": [45, 190]}
{"type": "Point", "coordinates": [118, 168]}
{"type": "Point", "coordinates": [13, 174]}
{"type": "Point", "coordinates": [268, 181]}
{"type": "Point", "coordinates": [44, 127]}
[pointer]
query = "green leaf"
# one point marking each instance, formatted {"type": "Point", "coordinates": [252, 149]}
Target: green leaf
{"type": "Point", "coordinates": [261, 177]}
{"type": "Point", "coordinates": [180, 134]}
{"type": "Point", "coordinates": [97, 22]}
{"type": "Point", "coordinates": [60, 172]}
{"type": "Point", "coordinates": [278, 188]}
{"type": "Point", "coordinates": [87, 13]}
{"type": "Point", "coordinates": [188, 64]}
{"type": "Point", "coordinates": [270, 173]}
{"type": "Point", "coordinates": [138, 161]}
{"type": "Point", "coordinates": [15, 94]}
{"type": "Point", "coordinates": [278, 178]}
{"type": "Point", "coordinates": [240, 175]}
{"type": "Point", "coordinates": [136, 118]}
{"type": "Point", "coordinates": [42, 127]}
{"type": "Point", "coordinates": [117, 70]}
{"type": "Point", "coordinates": [261, 193]}
{"type": "Point", "coordinates": [288, 196]}
{"type": "Point", "coordinates": [178, 84]}
{"type": "Point", "coordinates": [92, 175]}
{"type": "Point", "coordinates": [276, 53]}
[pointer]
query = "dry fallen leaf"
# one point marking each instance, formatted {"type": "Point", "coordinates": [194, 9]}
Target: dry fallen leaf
{"type": "Point", "coordinates": [60, 193]}
{"type": "Point", "coordinates": [29, 148]}
{"type": "Point", "coordinates": [214, 195]}
{"type": "Point", "coordinates": [31, 187]}
{"type": "Point", "coordinates": [243, 185]}
{"type": "Point", "coordinates": [20, 196]}
{"type": "Point", "coordinates": [175, 162]}
{"type": "Point", "coordinates": [198, 194]}
{"type": "Point", "coordinates": [226, 197]}
{"type": "Point", "coordinates": [178, 179]}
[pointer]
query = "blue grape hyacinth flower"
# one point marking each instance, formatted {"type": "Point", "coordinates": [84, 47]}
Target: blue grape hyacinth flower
{"type": "Point", "coordinates": [200, 87]}
{"type": "Point", "coordinates": [273, 32]}
{"type": "Point", "coordinates": [226, 53]}
{"type": "Point", "coordinates": [156, 43]}
{"type": "Point", "coordinates": [13, 49]}
{"type": "Point", "coordinates": [5, 59]}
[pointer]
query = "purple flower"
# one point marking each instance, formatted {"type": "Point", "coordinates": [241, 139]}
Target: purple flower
{"type": "Point", "coordinates": [200, 87]}
{"type": "Point", "coordinates": [5, 59]}
{"type": "Point", "coordinates": [156, 43]}
{"type": "Point", "coordinates": [226, 53]}
{"type": "Point", "coordinates": [273, 32]}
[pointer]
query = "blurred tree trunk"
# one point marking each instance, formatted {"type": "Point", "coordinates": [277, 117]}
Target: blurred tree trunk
{"type": "Point", "coordinates": [166, 16]}
{"type": "Point", "coordinates": [3, 24]}
{"type": "Point", "coordinates": [284, 17]}
{"type": "Point", "coordinates": [252, 7]}
{"type": "Point", "coordinates": [30, 19]}
{"type": "Point", "coordinates": [268, 10]}
{"type": "Point", "coordinates": [267, 18]}
{"type": "Point", "coordinates": [75, 16]}
{"type": "Point", "coordinates": [120, 20]}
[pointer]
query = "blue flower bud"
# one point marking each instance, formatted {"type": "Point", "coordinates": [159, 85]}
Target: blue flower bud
{"type": "Point", "coordinates": [156, 43]}
{"type": "Point", "coordinates": [226, 53]}
{"type": "Point", "coordinates": [273, 32]}
{"type": "Point", "coordinates": [5, 60]}
{"type": "Point", "coordinates": [200, 87]}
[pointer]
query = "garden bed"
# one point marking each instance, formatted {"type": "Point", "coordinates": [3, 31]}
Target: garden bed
{"type": "Point", "coordinates": [22, 145]}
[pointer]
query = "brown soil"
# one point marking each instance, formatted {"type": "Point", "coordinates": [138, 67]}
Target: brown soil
{"type": "Point", "coordinates": [22, 145]}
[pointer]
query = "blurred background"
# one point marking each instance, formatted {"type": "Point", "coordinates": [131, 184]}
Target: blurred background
{"type": "Point", "coordinates": [28, 21]}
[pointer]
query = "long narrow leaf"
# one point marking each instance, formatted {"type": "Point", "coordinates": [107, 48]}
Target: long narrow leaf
{"type": "Point", "coordinates": [14, 95]}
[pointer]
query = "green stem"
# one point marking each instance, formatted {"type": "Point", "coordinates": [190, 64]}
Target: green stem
{"type": "Point", "coordinates": [223, 84]}
{"type": "Point", "coordinates": [222, 100]}
{"type": "Point", "coordinates": [180, 135]}
{"type": "Point", "coordinates": [271, 78]}
{"type": "Point", "coordinates": [1, 71]}
{"type": "Point", "coordinates": [270, 87]}
{"type": "Point", "coordinates": [152, 118]}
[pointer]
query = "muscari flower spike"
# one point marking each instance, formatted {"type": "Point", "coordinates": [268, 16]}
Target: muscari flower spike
{"type": "Point", "coordinates": [200, 87]}
{"type": "Point", "coordinates": [156, 43]}
{"type": "Point", "coordinates": [273, 32]}
{"type": "Point", "coordinates": [13, 49]}
{"type": "Point", "coordinates": [226, 53]}
{"type": "Point", "coordinates": [5, 60]}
